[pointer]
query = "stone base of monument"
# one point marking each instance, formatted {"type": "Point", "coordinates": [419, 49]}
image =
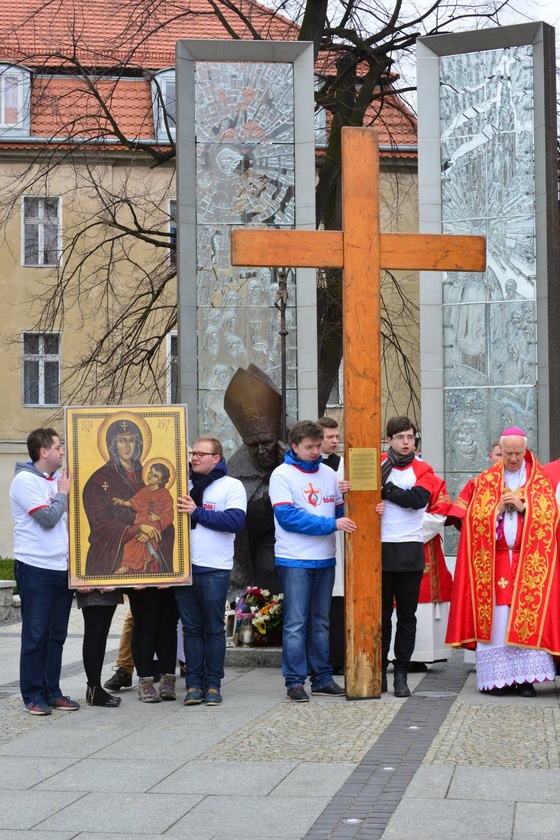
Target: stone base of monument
{"type": "Point", "coordinates": [9, 603]}
{"type": "Point", "coordinates": [253, 657]}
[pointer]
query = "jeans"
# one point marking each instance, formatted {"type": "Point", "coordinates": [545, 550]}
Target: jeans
{"type": "Point", "coordinates": [402, 588]}
{"type": "Point", "coordinates": [305, 640]}
{"type": "Point", "coordinates": [45, 610]}
{"type": "Point", "coordinates": [202, 607]}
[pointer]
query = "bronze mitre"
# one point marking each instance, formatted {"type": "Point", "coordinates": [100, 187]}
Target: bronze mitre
{"type": "Point", "coordinates": [254, 404]}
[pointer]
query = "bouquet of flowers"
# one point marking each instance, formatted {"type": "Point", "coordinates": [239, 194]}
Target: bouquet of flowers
{"type": "Point", "coordinates": [268, 616]}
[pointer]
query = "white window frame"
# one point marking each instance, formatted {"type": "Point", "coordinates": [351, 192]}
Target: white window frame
{"type": "Point", "coordinates": [41, 232]}
{"type": "Point", "coordinates": [21, 77]}
{"type": "Point", "coordinates": [172, 363]}
{"type": "Point", "coordinates": [42, 357]}
{"type": "Point", "coordinates": [161, 83]}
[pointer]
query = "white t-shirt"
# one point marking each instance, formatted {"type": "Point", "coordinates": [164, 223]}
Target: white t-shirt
{"type": "Point", "coordinates": [44, 548]}
{"type": "Point", "coordinates": [400, 524]}
{"type": "Point", "coordinates": [214, 549]}
{"type": "Point", "coordinates": [315, 493]}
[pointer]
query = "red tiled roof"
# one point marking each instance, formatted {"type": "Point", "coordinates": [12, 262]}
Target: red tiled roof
{"type": "Point", "coordinates": [66, 107]}
{"type": "Point", "coordinates": [104, 33]}
{"type": "Point", "coordinates": [121, 35]}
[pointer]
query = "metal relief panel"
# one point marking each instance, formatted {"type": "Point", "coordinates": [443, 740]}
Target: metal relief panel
{"type": "Point", "coordinates": [245, 175]}
{"type": "Point", "coordinates": [488, 188]}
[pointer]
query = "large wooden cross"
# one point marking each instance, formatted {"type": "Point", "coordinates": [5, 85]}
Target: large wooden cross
{"type": "Point", "coordinates": [362, 251]}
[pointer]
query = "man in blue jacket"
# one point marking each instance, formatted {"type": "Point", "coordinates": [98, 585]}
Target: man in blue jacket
{"type": "Point", "coordinates": [308, 511]}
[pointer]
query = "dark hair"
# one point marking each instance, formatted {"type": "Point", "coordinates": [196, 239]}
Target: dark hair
{"type": "Point", "coordinates": [327, 423]}
{"type": "Point", "coordinates": [305, 429]}
{"type": "Point", "coordinates": [215, 442]}
{"type": "Point", "coordinates": [165, 474]}
{"type": "Point", "coordinates": [40, 439]}
{"type": "Point", "coordinates": [395, 425]}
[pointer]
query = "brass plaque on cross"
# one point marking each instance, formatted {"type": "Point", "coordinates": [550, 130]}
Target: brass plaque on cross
{"type": "Point", "coordinates": [362, 468]}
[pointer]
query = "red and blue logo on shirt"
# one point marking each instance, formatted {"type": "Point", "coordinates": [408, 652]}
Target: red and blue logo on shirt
{"type": "Point", "coordinates": [311, 495]}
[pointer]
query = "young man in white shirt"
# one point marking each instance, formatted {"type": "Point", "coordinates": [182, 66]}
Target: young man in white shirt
{"type": "Point", "coordinates": [407, 484]}
{"type": "Point", "coordinates": [39, 500]}
{"type": "Point", "coordinates": [216, 505]}
{"type": "Point", "coordinates": [308, 511]}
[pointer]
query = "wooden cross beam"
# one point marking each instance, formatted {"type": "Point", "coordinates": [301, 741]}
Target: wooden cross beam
{"type": "Point", "coordinates": [361, 250]}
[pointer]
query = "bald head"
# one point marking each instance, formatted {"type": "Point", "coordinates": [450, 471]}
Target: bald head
{"type": "Point", "coordinates": [514, 448]}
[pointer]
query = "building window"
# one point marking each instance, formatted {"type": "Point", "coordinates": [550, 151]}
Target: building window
{"type": "Point", "coordinates": [41, 231]}
{"type": "Point", "coordinates": [163, 94]}
{"type": "Point", "coordinates": [173, 233]}
{"type": "Point", "coordinates": [173, 369]}
{"type": "Point", "coordinates": [14, 100]}
{"type": "Point", "coordinates": [41, 368]}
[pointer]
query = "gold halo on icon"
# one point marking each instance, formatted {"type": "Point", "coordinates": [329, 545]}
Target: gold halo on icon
{"type": "Point", "coordinates": [168, 464]}
{"type": "Point", "coordinates": [124, 415]}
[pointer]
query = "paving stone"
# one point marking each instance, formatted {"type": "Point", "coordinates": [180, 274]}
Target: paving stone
{"type": "Point", "coordinates": [21, 809]}
{"type": "Point", "coordinates": [443, 820]}
{"type": "Point", "coordinates": [221, 778]}
{"type": "Point", "coordinates": [536, 821]}
{"type": "Point", "coordinates": [141, 813]}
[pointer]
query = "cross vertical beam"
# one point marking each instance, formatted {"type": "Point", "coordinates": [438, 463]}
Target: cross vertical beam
{"type": "Point", "coordinates": [362, 398]}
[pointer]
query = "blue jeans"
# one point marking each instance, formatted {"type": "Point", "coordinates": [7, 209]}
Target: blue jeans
{"type": "Point", "coordinates": [305, 640]}
{"type": "Point", "coordinates": [202, 608]}
{"type": "Point", "coordinates": [45, 610]}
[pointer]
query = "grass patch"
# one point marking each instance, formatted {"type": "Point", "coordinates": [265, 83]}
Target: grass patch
{"type": "Point", "coordinates": [7, 570]}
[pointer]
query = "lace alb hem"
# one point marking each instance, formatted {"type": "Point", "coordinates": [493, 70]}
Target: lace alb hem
{"type": "Point", "coordinates": [497, 667]}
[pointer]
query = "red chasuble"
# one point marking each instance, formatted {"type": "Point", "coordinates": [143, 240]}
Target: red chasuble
{"type": "Point", "coordinates": [437, 582]}
{"type": "Point", "coordinates": [535, 596]}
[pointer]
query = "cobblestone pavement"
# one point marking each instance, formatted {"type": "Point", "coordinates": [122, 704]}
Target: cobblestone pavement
{"type": "Point", "coordinates": [326, 730]}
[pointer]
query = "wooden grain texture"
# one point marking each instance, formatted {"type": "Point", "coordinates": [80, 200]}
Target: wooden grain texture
{"type": "Point", "coordinates": [297, 248]}
{"type": "Point", "coordinates": [433, 252]}
{"type": "Point", "coordinates": [362, 396]}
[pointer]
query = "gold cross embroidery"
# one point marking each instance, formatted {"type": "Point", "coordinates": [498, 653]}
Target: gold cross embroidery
{"type": "Point", "coordinates": [105, 485]}
{"type": "Point", "coordinates": [503, 582]}
{"type": "Point", "coordinates": [123, 425]}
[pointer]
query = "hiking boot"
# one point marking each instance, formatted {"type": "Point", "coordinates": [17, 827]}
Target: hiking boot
{"type": "Point", "coordinates": [298, 694]}
{"type": "Point", "coordinates": [194, 696]}
{"type": "Point", "coordinates": [331, 689]}
{"type": "Point", "coordinates": [120, 679]}
{"type": "Point", "coordinates": [400, 684]}
{"type": "Point", "coordinates": [147, 692]}
{"type": "Point", "coordinates": [167, 687]}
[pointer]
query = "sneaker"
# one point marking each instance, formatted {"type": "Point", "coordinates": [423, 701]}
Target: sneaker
{"type": "Point", "coordinates": [193, 697]}
{"type": "Point", "coordinates": [212, 697]}
{"type": "Point", "coordinates": [147, 692]}
{"type": "Point", "coordinates": [38, 708]}
{"type": "Point", "coordinates": [331, 689]}
{"type": "Point", "coordinates": [167, 687]}
{"type": "Point", "coordinates": [120, 679]}
{"type": "Point", "coordinates": [298, 693]}
{"type": "Point", "coordinates": [64, 703]}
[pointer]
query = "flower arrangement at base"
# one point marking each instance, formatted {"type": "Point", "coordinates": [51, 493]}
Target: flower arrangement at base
{"type": "Point", "coordinates": [268, 615]}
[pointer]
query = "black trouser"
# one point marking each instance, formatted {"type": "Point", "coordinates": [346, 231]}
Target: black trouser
{"type": "Point", "coordinates": [155, 616]}
{"type": "Point", "coordinates": [97, 623]}
{"type": "Point", "coordinates": [401, 588]}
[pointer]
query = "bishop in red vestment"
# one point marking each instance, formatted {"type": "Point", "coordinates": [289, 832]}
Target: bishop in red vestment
{"type": "Point", "coordinates": [506, 591]}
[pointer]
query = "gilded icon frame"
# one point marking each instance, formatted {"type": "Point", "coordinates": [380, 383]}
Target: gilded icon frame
{"type": "Point", "coordinates": [129, 466]}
